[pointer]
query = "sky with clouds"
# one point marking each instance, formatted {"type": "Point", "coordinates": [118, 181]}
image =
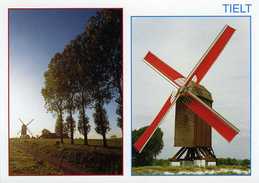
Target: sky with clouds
{"type": "Point", "coordinates": [35, 36]}
{"type": "Point", "coordinates": [180, 42]}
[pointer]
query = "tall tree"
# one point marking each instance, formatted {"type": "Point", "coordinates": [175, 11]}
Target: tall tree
{"type": "Point", "coordinates": [103, 37]}
{"type": "Point", "coordinates": [84, 126]}
{"type": "Point", "coordinates": [105, 34]}
{"type": "Point", "coordinates": [85, 82]}
{"type": "Point", "coordinates": [101, 121]}
{"type": "Point", "coordinates": [53, 90]}
{"type": "Point", "coordinates": [70, 87]}
{"type": "Point", "coordinates": [110, 44]}
{"type": "Point", "coordinates": [58, 127]}
{"type": "Point", "coordinates": [69, 128]}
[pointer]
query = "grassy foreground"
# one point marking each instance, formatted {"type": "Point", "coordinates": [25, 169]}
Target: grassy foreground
{"type": "Point", "coordinates": [49, 157]}
{"type": "Point", "coordinates": [191, 170]}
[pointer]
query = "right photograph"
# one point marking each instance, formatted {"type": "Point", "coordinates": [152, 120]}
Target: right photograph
{"type": "Point", "coordinates": [191, 95]}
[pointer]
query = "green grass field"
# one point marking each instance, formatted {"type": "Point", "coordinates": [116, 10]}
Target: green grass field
{"type": "Point", "coordinates": [49, 157]}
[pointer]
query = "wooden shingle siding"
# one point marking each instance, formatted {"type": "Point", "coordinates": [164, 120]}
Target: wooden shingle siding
{"type": "Point", "coordinates": [190, 130]}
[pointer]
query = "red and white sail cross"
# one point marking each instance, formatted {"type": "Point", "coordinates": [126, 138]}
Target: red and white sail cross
{"type": "Point", "coordinates": [206, 113]}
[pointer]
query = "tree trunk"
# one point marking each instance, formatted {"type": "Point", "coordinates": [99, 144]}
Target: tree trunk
{"type": "Point", "coordinates": [104, 140]}
{"type": "Point", "coordinates": [61, 127]}
{"type": "Point", "coordinates": [84, 125]}
{"type": "Point", "coordinates": [71, 128]}
{"type": "Point", "coordinates": [120, 87]}
{"type": "Point", "coordinates": [85, 139]}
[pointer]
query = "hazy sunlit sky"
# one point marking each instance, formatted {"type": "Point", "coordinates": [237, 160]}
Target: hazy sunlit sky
{"type": "Point", "coordinates": [180, 42]}
{"type": "Point", "coordinates": [35, 36]}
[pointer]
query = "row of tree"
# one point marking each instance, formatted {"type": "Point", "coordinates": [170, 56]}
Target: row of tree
{"type": "Point", "coordinates": [87, 75]}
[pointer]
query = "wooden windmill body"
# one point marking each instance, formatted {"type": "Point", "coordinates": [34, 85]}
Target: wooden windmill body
{"type": "Point", "coordinates": [193, 134]}
{"type": "Point", "coordinates": [23, 131]}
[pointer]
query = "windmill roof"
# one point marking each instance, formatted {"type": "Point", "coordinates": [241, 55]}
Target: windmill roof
{"type": "Point", "coordinates": [199, 91]}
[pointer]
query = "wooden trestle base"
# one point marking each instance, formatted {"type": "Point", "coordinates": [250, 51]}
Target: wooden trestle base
{"type": "Point", "coordinates": [194, 153]}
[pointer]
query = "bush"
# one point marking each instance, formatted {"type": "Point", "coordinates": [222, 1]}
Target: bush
{"type": "Point", "coordinates": [161, 162]}
{"type": "Point", "coordinates": [151, 150]}
{"type": "Point", "coordinates": [233, 161]}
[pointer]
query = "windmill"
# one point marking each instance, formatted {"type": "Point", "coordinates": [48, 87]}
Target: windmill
{"type": "Point", "coordinates": [25, 129]}
{"type": "Point", "coordinates": [194, 113]}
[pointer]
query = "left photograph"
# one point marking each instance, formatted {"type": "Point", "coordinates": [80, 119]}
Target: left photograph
{"type": "Point", "coordinates": [65, 92]}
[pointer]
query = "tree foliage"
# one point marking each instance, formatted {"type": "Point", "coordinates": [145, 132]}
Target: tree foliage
{"type": "Point", "coordinates": [84, 126]}
{"type": "Point", "coordinates": [87, 74]}
{"type": "Point", "coordinates": [101, 121]}
{"type": "Point", "coordinates": [53, 90]}
{"type": "Point", "coordinates": [69, 128]}
{"type": "Point", "coordinates": [151, 150]}
{"type": "Point", "coordinates": [58, 127]}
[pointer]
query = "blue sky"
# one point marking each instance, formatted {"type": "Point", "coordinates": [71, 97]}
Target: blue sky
{"type": "Point", "coordinates": [34, 37]}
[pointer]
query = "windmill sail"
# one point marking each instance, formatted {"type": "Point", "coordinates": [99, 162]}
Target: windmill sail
{"type": "Point", "coordinates": [211, 117]}
{"type": "Point", "coordinates": [144, 138]}
{"type": "Point", "coordinates": [211, 54]}
{"type": "Point", "coordinates": [165, 70]}
{"type": "Point", "coordinates": [221, 125]}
